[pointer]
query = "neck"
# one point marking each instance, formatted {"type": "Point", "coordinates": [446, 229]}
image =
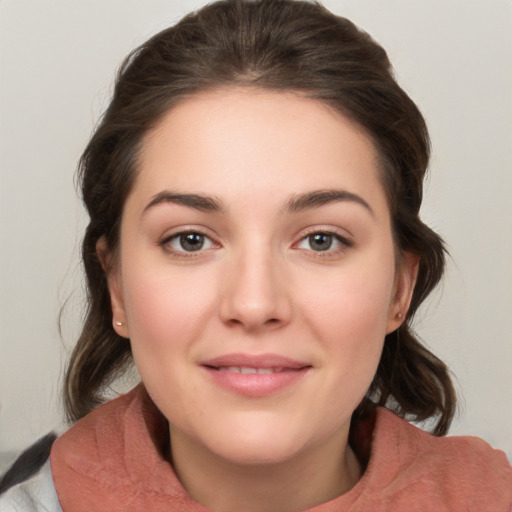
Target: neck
{"type": "Point", "coordinates": [312, 477]}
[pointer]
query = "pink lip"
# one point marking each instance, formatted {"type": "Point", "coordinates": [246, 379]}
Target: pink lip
{"type": "Point", "coordinates": [289, 371]}
{"type": "Point", "coordinates": [255, 361]}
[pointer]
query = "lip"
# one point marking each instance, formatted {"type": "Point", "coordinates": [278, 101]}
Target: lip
{"type": "Point", "coordinates": [224, 371]}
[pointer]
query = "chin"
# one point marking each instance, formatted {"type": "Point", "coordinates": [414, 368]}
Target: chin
{"type": "Point", "coordinates": [262, 453]}
{"type": "Point", "coordinates": [263, 443]}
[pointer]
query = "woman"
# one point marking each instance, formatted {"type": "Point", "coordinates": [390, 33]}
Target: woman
{"type": "Point", "coordinates": [254, 243]}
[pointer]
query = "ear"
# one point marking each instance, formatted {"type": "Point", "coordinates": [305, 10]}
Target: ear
{"type": "Point", "coordinates": [405, 280]}
{"type": "Point", "coordinates": [106, 258]}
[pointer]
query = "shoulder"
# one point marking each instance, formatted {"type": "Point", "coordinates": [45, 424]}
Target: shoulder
{"type": "Point", "coordinates": [465, 457]}
{"type": "Point", "coordinates": [36, 494]}
{"type": "Point", "coordinates": [458, 473]}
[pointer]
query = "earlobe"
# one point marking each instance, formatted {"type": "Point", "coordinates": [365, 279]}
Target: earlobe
{"type": "Point", "coordinates": [404, 288]}
{"type": "Point", "coordinates": [114, 287]}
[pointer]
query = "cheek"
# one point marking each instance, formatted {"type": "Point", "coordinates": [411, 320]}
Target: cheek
{"type": "Point", "coordinates": [167, 313]}
{"type": "Point", "coordinates": [351, 303]}
{"type": "Point", "coordinates": [350, 315]}
{"type": "Point", "coordinates": [166, 309]}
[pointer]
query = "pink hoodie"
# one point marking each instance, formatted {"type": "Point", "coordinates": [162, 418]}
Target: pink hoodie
{"type": "Point", "coordinates": [111, 461]}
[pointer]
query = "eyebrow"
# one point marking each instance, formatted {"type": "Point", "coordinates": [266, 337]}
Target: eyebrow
{"type": "Point", "coordinates": [296, 203]}
{"type": "Point", "coordinates": [197, 201]}
{"type": "Point", "coordinates": [323, 197]}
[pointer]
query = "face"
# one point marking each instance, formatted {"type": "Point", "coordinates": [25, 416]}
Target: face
{"type": "Point", "coordinates": [257, 277]}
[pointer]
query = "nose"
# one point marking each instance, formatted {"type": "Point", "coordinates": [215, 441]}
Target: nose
{"type": "Point", "coordinates": [256, 292]}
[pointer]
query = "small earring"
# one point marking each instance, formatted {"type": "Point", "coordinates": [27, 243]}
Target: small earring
{"type": "Point", "coordinates": [399, 315]}
{"type": "Point", "coordinates": [119, 324]}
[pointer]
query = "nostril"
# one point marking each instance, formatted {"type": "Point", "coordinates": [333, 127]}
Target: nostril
{"type": "Point", "coordinates": [235, 322]}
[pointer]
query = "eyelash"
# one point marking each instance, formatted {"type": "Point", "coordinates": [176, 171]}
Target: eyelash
{"type": "Point", "coordinates": [165, 243]}
{"type": "Point", "coordinates": [343, 243]}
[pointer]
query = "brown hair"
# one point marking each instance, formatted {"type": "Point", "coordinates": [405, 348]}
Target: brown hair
{"type": "Point", "coordinates": [279, 45]}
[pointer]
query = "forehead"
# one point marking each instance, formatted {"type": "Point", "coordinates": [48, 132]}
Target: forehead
{"type": "Point", "coordinates": [243, 141]}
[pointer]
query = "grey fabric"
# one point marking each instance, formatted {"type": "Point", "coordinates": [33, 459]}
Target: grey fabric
{"type": "Point", "coordinates": [28, 463]}
{"type": "Point", "coordinates": [37, 494]}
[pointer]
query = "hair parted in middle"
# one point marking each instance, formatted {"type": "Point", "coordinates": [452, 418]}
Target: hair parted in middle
{"type": "Point", "coordinates": [280, 45]}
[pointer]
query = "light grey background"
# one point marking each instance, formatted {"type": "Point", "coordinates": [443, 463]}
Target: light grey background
{"type": "Point", "coordinates": [57, 62]}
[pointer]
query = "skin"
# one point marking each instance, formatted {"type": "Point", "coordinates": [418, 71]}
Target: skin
{"type": "Point", "coordinates": [258, 286]}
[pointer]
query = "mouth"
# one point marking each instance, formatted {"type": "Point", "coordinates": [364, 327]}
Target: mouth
{"type": "Point", "coordinates": [255, 376]}
{"type": "Point", "coordinates": [237, 362]}
{"type": "Point", "coordinates": [247, 370]}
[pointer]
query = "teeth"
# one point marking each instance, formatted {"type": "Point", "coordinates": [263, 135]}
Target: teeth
{"type": "Point", "coordinates": [247, 370]}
